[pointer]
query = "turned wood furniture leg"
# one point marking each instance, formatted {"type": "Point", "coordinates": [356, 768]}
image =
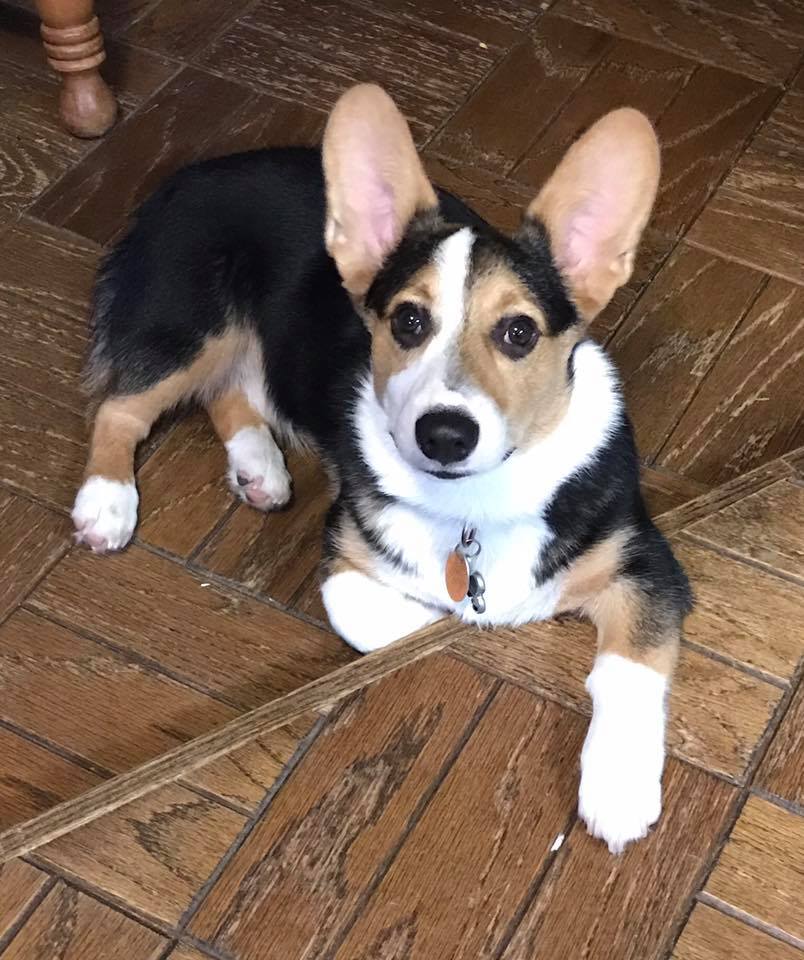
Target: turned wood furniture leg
{"type": "Point", "coordinates": [74, 47]}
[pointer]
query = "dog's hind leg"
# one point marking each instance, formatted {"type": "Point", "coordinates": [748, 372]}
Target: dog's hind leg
{"type": "Point", "coordinates": [257, 472]}
{"type": "Point", "coordinates": [105, 510]}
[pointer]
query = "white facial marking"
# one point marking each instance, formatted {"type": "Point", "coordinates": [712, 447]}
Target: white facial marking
{"type": "Point", "coordinates": [257, 471]}
{"type": "Point", "coordinates": [423, 385]}
{"type": "Point", "coordinates": [105, 514]}
{"type": "Point", "coordinates": [522, 485]}
{"type": "Point", "coordinates": [620, 795]}
{"type": "Point", "coordinates": [369, 615]}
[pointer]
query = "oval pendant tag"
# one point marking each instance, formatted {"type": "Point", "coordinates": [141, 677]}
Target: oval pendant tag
{"type": "Point", "coordinates": [456, 576]}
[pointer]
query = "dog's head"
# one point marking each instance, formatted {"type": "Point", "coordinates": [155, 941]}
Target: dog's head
{"type": "Point", "coordinates": [473, 331]}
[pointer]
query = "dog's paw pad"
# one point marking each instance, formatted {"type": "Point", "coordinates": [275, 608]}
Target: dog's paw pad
{"type": "Point", "coordinates": [257, 471]}
{"type": "Point", "coordinates": [105, 514]}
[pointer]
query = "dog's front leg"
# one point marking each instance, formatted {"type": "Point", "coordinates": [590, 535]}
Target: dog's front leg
{"type": "Point", "coordinates": [368, 614]}
{"type": "Point", "coordinates": [623, 756]}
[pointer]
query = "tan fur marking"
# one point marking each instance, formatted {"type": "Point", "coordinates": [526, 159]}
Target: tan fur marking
{"type": "Point", "coordinates": [388, 357]}
{"type": "Point", "coordinates": [592, 573]}
{"type": "Point", "coordinates": [123, 421]}
{"type": "Point", "coordinates": [621, 614]}
{"type": "Point", "coordinates": [353, 552]}
{"type": "Point", "coordinates": [231, 412]}
{"type": "Point", "coordinates": [533, 392]}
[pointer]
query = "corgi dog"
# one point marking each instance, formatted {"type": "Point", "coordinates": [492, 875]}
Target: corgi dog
{"type": "Point", "coordinates": [482, 460]}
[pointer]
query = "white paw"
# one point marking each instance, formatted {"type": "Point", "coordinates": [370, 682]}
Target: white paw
{"type": "Point", "coordinates": [257, 471]}
{"type": "Point", "coordinates": [105, 514]}
{"type": "Point", "coordinates": [620, 796]}
{"type": "Point", "coordinates": [619, 800]}
{"type": "Point", "coordinates": [369, 615]}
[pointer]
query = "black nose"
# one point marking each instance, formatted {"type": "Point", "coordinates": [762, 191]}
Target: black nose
{"type": "Point", "coordinates": [447, 436]}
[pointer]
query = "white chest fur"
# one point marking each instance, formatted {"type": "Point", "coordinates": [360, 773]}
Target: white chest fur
{"type": "Point", "coordinates": [509, 553]}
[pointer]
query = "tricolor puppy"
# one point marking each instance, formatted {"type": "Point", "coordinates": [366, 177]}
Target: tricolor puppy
{"type": "Point", "coordinates": [483, 462]}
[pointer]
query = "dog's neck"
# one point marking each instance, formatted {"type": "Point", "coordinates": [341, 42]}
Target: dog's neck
{"type": "Point", "coordinates": [521, 486]}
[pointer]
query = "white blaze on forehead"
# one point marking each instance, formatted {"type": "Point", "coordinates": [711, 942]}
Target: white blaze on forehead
{"type": "Point", "coordinates": [452, 261]}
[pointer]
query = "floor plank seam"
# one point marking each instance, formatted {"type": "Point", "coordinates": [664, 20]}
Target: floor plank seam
{"type": "Point", "coordinates": [368, 891]}
{"type": "Point", "coordinates": [728, 661]}
{"type": "Point", "coordinates": [757, 756]}
{"type": "Point", "coordinates": [700, 541]}
{"type": "Point", "coordinates": [63, 552]}
{"type": "Point", "coordinates": [132, 656]}
{"type": "Point", "coordinates": [749, 919]}
{"type": "Point", "coordinates": [83, 886]}
{"type": "Point", "coordinates": [71, 757]}
{"type": "Point", "coordinates": [550, 865]}
{"type": "Point", "coordinates": [716, 355]}
{"type": "Point", "coordinates": [790, 806]}
{"type": "Point", "coordinates": [250, 825]}
{"type": "Point", "coordinates": [741, 261]}
{"type": "Point", "coordinates": [26, 914]}
{"type": "Point", "coordinates": [698, 59]}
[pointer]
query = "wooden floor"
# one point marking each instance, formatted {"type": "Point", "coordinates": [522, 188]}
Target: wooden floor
{"type": "Point", "coordinates": [431, 814]}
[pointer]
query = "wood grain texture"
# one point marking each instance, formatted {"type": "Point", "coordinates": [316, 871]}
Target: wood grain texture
{"type": "Point", "coordinates": [500, 201]}
{"type": "Point", "coordinates": [31, 540]}
{"type": "Point", "coordinates": [678, 518]}
{"type": "Point", "coordinates": [500, 25]}
{"type": "Point", "coordinates": [629, 74]}
{"type": "Point", "coordinates": [59, 686]}
{"type": "Point", "coordinates": [183, 490]}
{"type": "Point", "coordinates": [340, 815]}
{"type": "Point", "coordinates": [546, 68]}
{"type": "Point", "coordinates": [45, 282]}
{"type": "Point", "coordinates": [711, 935]}
{"type": "Point", "coordinates": [184, 952]}
{"type": "Point", "coordinates": [95, 197]}
{"type": "Point", "coordinates": [482, 840]}
{"type": "Point", "coordinates": [310, 54]}
{"type": "Point", "coordinates": [717, 713]}
{"type": "Point", "coordinates": [761, 868]}
{"type": "Point", "coordinates": [593, 905]}
{"type": "Point", "coordinates": [180, 30]}
{"type": "Point", "coordinates": [670, 340]}
{"type": "Point", "coordinates": [702, 133]}
{"type": "Point", "coordinates": [42, 446]}
{"type": "Point", "coordinates": [20, 884]}
{"type": "Point", "coordinates": [782, 769]}
{"type": "Point", "coordinates": [33, 779]}
{"type": "Point", "coordinates": [319, 695]}
{"type": "Point", "coordinates": [69, 925]}
{"type": "Point", "coordinates": [748, 410]}
{"type": "Point", "coordinates": [741, 612]}
{"type": "Point", "coordinates": [153, 855]}
{"type": "Point", "coordinates": [756, 216]}
{"type": "Point", "coordinates": [274, 554]}
{"type": "Point", "coordinates": [244, 776]}
{"type": "Point", "coordinates": [132, 73]}
{"type": "Point", "coordinates": [663, 490]}
{"type": "Point", "coordinates": [244, 650]}
{"type": "Point", "coordinates": [767, 526]}
{"type": "Point", "coordinates": [755, 38]}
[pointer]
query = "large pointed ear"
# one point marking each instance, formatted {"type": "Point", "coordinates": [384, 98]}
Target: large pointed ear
{"type": "Point", "coordinates": [596, 204]}
{"type": "Point", "coordinates": [375, 183]}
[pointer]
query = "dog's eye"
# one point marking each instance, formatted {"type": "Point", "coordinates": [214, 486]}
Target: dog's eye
{"type": "Point", "coordinates": [515, 336]}
{"type": "Point", "coordinates": [410, 324]}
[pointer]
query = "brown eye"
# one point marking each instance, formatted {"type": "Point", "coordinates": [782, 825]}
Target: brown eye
{"type": "Point", "coordinates": [515, 336]}
{"type": "Point", "coordinates": [410, 324]}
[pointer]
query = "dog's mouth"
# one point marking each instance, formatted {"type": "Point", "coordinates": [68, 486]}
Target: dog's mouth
{"type": "Point", "coordinates": [460, 475]}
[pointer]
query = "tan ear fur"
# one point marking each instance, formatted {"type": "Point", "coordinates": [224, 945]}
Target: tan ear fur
{"type": "Point", "coordinates": [597, 203]}
{"type": "Point", "coordinates": [375, 183]}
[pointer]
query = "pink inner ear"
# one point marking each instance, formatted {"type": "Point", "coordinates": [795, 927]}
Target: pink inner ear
{"type": "Point", "coordinates": [381, 228]}
{"type": "Point", "coordinates": [590, 225]}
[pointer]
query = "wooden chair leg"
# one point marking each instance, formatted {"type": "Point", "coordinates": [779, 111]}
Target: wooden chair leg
{"type": "Point", "coordinates": [74, 46]}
